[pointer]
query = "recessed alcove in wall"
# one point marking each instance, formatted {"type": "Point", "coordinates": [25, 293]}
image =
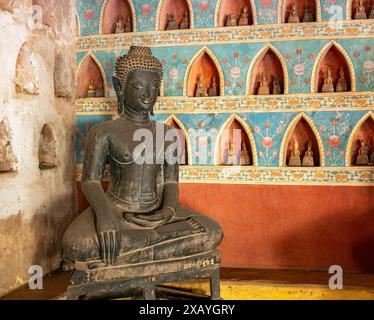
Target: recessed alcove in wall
{"type": "Point", "coordinates": [204, 67]}
{"type": "Point", "coordinates": [179, 8]}
{"type": "Point", "coordinates": [334, 58]}
{"type": "Point", "coordinates": [47, 149]}
{"type": "Point", "coordinates": [363, 131]}
{"type": "Point", "coordinates": [112, 10]}
{"type": "Point", "coordinates": [43, 9]}
{"type": "Point", "coordinates": [268, 64]}
{"type": "Point", "coordinates": [183, 137]}
{"type": "Point", "coordinates": [27, 73]}
{"type": "Point", "coordinates": [354, 5]}
{"type": "Point", "coordinates": [307, 10]}
{"type": "Point", "coordinates": [227, 7]}
{"type": "Point", "coordinates": [7, 158]}
{"type": "Point", "coordinates": [91, 77]}
{"type": "Point", "coordinates": [303, 132]}
{"type": "Point", "coordinates": [235, 144]}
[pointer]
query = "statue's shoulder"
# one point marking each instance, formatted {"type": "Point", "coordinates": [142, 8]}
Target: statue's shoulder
{"type": "Point", "coordinates": [102, 128]}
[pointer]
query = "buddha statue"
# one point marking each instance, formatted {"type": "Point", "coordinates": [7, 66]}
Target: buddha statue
{"type": "Point", "coordinates": [201, 90]}
{"type": "Point", "coordinates": [293, 17]}
{"type": "Point", "coordinates": [138, 219]}
{"type": "Point", "coordinates": [212, 92]}
{"type": "Point", "coordinates": [91, 91]}
{"type": "Point", "coordinates": [128, 26]}
{"type": "Point", "coordinates": [276, 86]}
{"type": "Point", "coordinates": [231, 20]}
{"type": "Point", "coordinates": [363, 154]}
{"type": "Point", "coordinates": [171, 22]}
{"type": "Point", "coordinates": [243, 20]}
{"type": "Point", "coordinates": [185, 24]}
{"type": "Point", "coordinates": [119, 26]}
{"type": "Point", "coordinates": [308, 160]}
{"type": "Point", "coordinates": [264, 86]}
{"type": "Point", "coordinates": [342, 82]}
{"type": "Point", "coordinates": [371, 15]}
{"type": "Point", "coordinates": [295, 160]}
{"type": "Point", "coordinates": [328, 85]}
{"type": "Point", "coordinates": [308, 15]}
{"type": "Point", "coordinates": [360, 11]}
{"type": "Point", "coordinates": [244, 159]}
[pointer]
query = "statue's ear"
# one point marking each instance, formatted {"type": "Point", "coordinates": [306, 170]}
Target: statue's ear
{"type": "Point", "coordinates": [117, 85]}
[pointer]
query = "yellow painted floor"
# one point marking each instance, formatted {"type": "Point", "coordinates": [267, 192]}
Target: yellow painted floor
{"type": "Point", "coordinates": [239, 284]}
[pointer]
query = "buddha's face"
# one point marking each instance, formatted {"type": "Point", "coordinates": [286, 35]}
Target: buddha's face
{"type": "Point", "coordinates": [142, 89]}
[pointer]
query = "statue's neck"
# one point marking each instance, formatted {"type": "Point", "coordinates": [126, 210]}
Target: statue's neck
{"type": "Point", "coordinates": [136, 116]}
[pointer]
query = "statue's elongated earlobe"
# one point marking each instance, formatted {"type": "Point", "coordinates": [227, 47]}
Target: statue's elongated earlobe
{"type": "Point", "coordinates": [119, 91]}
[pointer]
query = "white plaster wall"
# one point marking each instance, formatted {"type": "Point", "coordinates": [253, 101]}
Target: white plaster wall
{"type": "Point", "coordinates": [36, 205]}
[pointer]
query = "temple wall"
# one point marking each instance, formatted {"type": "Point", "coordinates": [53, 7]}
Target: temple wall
{"type": "Point", "coordinates": [37, 122]}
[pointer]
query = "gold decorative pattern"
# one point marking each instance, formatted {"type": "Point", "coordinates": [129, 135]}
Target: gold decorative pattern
{"type": "Point", "coordinates": [218, 8]}
{"type": "Point", "coordinates": [262, 51]}
{"type": "Point", "coordinates": [294, 122]}
{"type": "Point", "coordinates": [102, 15]}
{"type": "Point", "coordinates": [217, 64]}
{"type": "Point", "coordinates": [102, 71]}
{"type": "Point", "coordinates": [282, 11]}
{"type": "Point", "coordinates": [248, 132]}
{"type": "Point", "coordinates": [190, 12]}
{"type": "Point", "coordinates": [185, 134]}
{"type": "Point", "coordinates": [348, 154]}
{"type": "Point", "coordinates": [321, 55]}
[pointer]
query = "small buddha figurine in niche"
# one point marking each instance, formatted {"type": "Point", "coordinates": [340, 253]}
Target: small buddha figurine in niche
{"type": "Point", "coordinates": [185, 24]}
{"type": "Point", "coordinates": [244, 159]}
{"type": "Point", "coordinates": [231, 20]}
{"type": "Point", "coordinates": [295, 160]}
{"type": "Point", "coordinates": [371, 15]}
{"type": "Point", "coordinates": [128, 27]}
{"type": "Point", "coordinates": [293, 17]}
{"type": "Point", "coordinates": [99, 89]}
{"type": "Point", "coordinates": [264, 86]}
{"type": "Point", "coordinates": [244, 21]}
{"type": "Point", "coordinates": [171, 22]}
{"type": "Point", "coordinates": [119, 26]}
{"type": "Point", "coordinates": [201, 90]}
{"type": "Point", "coordinates": [91, 92]}
{"type": "Point", "coordinates": [328, 85]}
{"type": "Point", "coordinates": [212, 92]}
{"type": "Point", "coordinates": [371, 160]}
{"type": "Point", "coordinates": [138, 219]}
{"type": "Point", "coordinates": [342, 82]}
{"type": "Point", "coordinates": [363, 154]}
{"type": "Point", "coordinates": [308, 16]}
{"type": "Point", "coordinates": [360, 11]}
{"type": "Point", "coordinates": [276, 86]}
{"type": "Point", "coordinates": [308, 160]}
{"type": "Point", "coordinates": [232, 157]}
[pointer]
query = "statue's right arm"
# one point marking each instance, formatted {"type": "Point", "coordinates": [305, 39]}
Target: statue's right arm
{"type": "Point", "coordinates": [96, 153]}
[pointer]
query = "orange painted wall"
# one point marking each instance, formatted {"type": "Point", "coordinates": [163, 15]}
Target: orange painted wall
{"type": "Point", "coordinates": [303, 227]}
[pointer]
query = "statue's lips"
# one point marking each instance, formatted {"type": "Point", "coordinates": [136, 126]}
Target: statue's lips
{"type": "Point", "coordinates": [148, 101]}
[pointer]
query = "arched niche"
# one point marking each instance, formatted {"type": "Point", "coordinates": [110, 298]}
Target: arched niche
{"type": "Point", "coordinates": [303, 131]}
{"type": "Point", "coordinates": [90, 72]}
{"type": "Point", "coordinates": [7, 158]}
{"type": "Point", "coordinates": [183, 137]}
{"type": "Point", "coordinates": [177, 7]}
{"type": "Point", "coordinates": [47, 149]}
{"type": "Point", "coordinates": [354, 5]}
{"type": "Point", "coordinates": [313, 14]}
{"type": "Point", "coordinates": [334, 58]}
{"type": "Point", "coordinates": [363, 131]}
{"type": "Point", "coordinates": [268, 63]}
{"type": "Point", "coordinates": [112, 10]}
{"type": "Point", "coordinates": [226, 7]}
{"type": "Point", "coordinates": [27, 73]}
{"type": "Point", "coordinates": [235, 144]}
{"type": "Point", "coordinates": [205, 66]}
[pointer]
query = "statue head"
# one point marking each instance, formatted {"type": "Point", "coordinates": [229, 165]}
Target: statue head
{"type": "Point", "coordinates": [137, 80]}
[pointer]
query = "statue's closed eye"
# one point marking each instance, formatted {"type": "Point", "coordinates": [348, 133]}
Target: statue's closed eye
{"type": "Point", "coordinates": [137, 85]}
